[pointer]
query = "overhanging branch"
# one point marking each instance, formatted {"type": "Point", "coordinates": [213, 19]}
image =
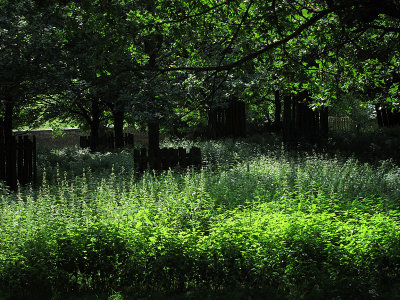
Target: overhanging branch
{"type": "Point", "coordinates": [239, 62]}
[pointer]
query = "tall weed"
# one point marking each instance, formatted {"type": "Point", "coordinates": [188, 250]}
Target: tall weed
{"type": "Point", "coordinates": [260, 218]}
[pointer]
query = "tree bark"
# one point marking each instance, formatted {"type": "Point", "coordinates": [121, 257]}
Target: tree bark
{"type": "Point", "coordinates": [287, 118]}
{"type": "Point", "coordinates": [385, 118]}
{"type": "Point", "coordinates": [11, 175]}
{"type": "Point", "coordinates": [324, 125]}
{"type": "Point", "coordinates": [278, 109]}
{"type": "Point", "coordinates": [94, 126]}
{"type": "Point", "coordinates": [212, 123]}
{"type": "Point", "coordinates": [379, 115]}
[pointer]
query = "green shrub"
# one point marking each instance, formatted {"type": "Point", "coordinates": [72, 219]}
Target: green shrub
{"type": "Point", "coordinates": [260, 220]}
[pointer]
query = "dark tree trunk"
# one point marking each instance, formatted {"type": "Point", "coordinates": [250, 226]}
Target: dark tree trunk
{"type": "Point", "coordinates": [314, 124]}
{"type": "Point", "coordinates": [242, 118]}
{"type": "Point", "coordinates": [94, 135]}
{"type": "Point", "coordinates": [221, 122]}
{"type": "Point", "coordinates": [287, 118]}
{"type": "Point", "coordinates": [11, 160]}
{"type": "Point", "coordinates": [298, 117]}
{"type": "Point", "coordinates": [324, 122]}
{"type": "Point", "coordinates": [8, 119]}
{"type": "Point", "coordinates": [293, 101]}
{"type": "Point", "coordinates": [94, 126]}
{"type": "Point", "coordinates": [10, 145]}
{"type": "Point", "coordinates": [385, 118]}
{"type": "Point", "coordinates": [379, 115]}
{"type": "Point", "coordinates": [391, 117]}
{"type": "Point", "coordinates": [119, 128]}
{"type": "Point", "coordinates": [212, 123]}
{"type": "Point", "coordinates": [232, 122]}
{"type": "Point", "coordinates": [278, 109]}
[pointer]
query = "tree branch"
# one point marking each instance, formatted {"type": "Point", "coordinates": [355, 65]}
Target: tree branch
{"type": "Point", "coordinates": [386, 29]}
{"type": "Point", "coordinates": [244, 59]}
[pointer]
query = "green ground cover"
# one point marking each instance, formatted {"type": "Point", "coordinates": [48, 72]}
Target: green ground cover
{"type": "Point", "coordinates": [256, 221]}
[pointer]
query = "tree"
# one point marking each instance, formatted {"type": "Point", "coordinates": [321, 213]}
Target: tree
{"type": "Point", "coordinates": [167, 61]}
{"type": "Point", "coordinates": [27, 45]}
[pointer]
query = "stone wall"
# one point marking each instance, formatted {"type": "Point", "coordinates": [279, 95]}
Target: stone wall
{"type": "Point", "coordinates": [70, 137]}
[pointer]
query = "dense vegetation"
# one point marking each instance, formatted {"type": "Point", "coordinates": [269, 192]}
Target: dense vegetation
{"type": "Point", "coordinates": [314, 217]}
{"type": "Point", "coordinates": [255, 221]}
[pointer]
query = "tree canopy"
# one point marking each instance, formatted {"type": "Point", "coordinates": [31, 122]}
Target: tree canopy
{"type": "Point", "coordinates": [161, 61]}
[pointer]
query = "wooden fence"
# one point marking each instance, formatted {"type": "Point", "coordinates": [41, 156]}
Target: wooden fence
{"type": "Point", "coordinates": [300, 121]}
{"type": "Point", "coordinates": [107, 141]}
{"type": "Point", "coordinates": [340, 123]}
{"type": "Point", "coordinates": [18, 161]}
{"type": "Point", "coordinates": [166, 158]}
{"type": "Point", "coordinates": [228, 121]}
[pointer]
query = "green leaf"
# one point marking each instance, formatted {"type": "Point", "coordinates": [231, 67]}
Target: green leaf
{"type": "Point", "coordinates": [139, 225]}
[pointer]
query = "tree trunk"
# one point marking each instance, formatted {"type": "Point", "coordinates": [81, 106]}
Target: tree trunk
{"type": "Point", "coordinates": [8, 119]}
{"type": "Point", "coordinates": [298, 117]}
{"type": "Point", "coordinates": [212, 123]}
{"type": "Point", "coordinates": [293, 100]}
{"type": "Point", "coordinates": [11, 175]}
{"type": "Point", "coordinates": [324, 125]}
{"type": "Point", "coordinates": [278, 109]}
{"type": "Point", "coordinates": [384, 116]}
{"type": "Point", "coordinates": [119, 128]}
{"type": "Point", "coordinates": [287, 118]}
{"type": "Point", "coordinates": [94, 126]}
{"type": "Point", "coordinates": [379, 115]}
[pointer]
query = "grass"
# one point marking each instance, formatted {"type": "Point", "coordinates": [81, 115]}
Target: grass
{"type": "Point", "coordinates": [256, 221]}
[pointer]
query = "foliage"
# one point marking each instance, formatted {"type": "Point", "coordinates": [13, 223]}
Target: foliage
{"type": "Point", "coordinates": [296, 226]}
{"type": "Point", "coordinates": [170, 63]}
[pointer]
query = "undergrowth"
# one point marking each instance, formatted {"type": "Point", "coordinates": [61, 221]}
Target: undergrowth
{"type": "Point", "coordinates": [254, 222]}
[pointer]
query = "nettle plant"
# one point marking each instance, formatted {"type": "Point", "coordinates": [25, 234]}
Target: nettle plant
{"type": "Point", "coordinates": [301, 225]}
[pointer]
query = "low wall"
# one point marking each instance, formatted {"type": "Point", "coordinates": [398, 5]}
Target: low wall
{"type": "Point", "coordinates": [70, 137]}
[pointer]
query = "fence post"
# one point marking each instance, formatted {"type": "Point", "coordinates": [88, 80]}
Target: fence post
{"type": "Point", "coordinates": [20, 160]}
{"type": "Point", "coordinates": [173, 157]}
{"type": "Point", "coordinates": [164, 158]}
{"type": "Point", "coordinates": [136, 159]}
{"type": "Point", "coordinates": [111, 141]}
{"type": "Point", "coordinates": [129, 140]}
{"type": "Point", "coordinates": [154, 160]}
{"type": "Point", "coordinates": [83, 142]}
{"type": "Point", "coordinates": [143, 160]}
{"type": "Point", "coordinates": [34, 160]}
{"type": "Point", "coordinates": [11, 174]}
{"type": "Point", "coordinates": [182, 157]}
{"type": "Point", "coordinates": [195, 157]}
{"type": "Point", "coordinates": [28, 147]}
